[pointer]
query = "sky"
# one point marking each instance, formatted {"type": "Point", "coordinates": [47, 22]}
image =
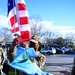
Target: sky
{"type": "Point", "coordinates": [57, 15]}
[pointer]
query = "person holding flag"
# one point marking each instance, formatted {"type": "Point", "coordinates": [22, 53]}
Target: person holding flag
{"type": "Point", "coordinates": [18, 20]}
{"type": "Point", "coordinates": [36, 42]}
{"type": "Point", "coordinates": [23, 63]}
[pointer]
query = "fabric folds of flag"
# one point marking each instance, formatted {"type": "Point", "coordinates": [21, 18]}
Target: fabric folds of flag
{"type": "Point", "coordinates": [30, 51]}
{"type": "Point", "coordinates": [23, 63]}
{"type": "Point", "coordinates": [18, 18]}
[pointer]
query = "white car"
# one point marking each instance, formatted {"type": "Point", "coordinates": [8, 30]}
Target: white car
{"type": "Point", "coordinates": [48, 51]}
{"type": "Point", "coordinates": [65, 49]}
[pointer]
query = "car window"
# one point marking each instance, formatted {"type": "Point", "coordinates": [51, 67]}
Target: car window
{"type": "Point", "coordinates": [50, 48]}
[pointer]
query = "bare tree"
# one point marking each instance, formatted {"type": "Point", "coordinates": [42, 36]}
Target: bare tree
{"type": "Point", "coordinates": [36, 26]}
{"type": "Point", "coordinates": [6, 34]}
{"type": "Point", "coordinates": [70, 38]}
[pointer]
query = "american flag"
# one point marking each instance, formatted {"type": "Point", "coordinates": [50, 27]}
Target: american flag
{"type": "Point", "coordinates": [18, 19]}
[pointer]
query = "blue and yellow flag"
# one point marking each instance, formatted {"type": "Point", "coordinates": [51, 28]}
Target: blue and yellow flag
{"type": "Point", "coordinates": [30, 51]}
{"type": "Point", "coordinates": [23, 63]}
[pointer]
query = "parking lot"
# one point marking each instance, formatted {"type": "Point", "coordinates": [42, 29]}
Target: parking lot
{"type": "Point", "coordinates": [59, 62]}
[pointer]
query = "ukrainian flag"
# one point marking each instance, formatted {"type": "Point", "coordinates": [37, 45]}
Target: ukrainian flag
{"type": "Point", "coordinates": [23, 63]}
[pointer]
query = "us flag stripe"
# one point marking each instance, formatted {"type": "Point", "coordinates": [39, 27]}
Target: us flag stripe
{"type": "Point", "coordinates": [26, 33]}
{"type": "Point", "coordinates": [25, 27]}
{"type": "Point", "coordinates": [15, 30]}
{"type": "Point", "coordinates": [13, 20]}
{"type": "Point", "coordinates": [24, 20]}
{"type": "Point", "coordinates": [12, 13]}
{"type": "Point", "coordinates": [22, 6]}
{"type": "Point", "coordinates": [23, 13]}
{"type": "Point", "coordinates": [14, 26]}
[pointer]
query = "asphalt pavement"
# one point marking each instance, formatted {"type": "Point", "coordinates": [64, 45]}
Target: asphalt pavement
{"type": "Point", "coordinates": [59, 62]}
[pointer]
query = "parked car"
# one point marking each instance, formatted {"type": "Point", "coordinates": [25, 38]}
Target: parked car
{"type": "Point", "coordinates": [71, 52]}
{"type": "Point", "coordinates": [49, 51]}
{"type": "Point", "coordinates": [65, 49]}
{"type": "Point", "coordinates": [59, 51]}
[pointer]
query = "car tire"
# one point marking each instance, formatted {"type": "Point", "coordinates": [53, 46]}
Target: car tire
{"type": "Point", "coordinates": [48, 53]}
